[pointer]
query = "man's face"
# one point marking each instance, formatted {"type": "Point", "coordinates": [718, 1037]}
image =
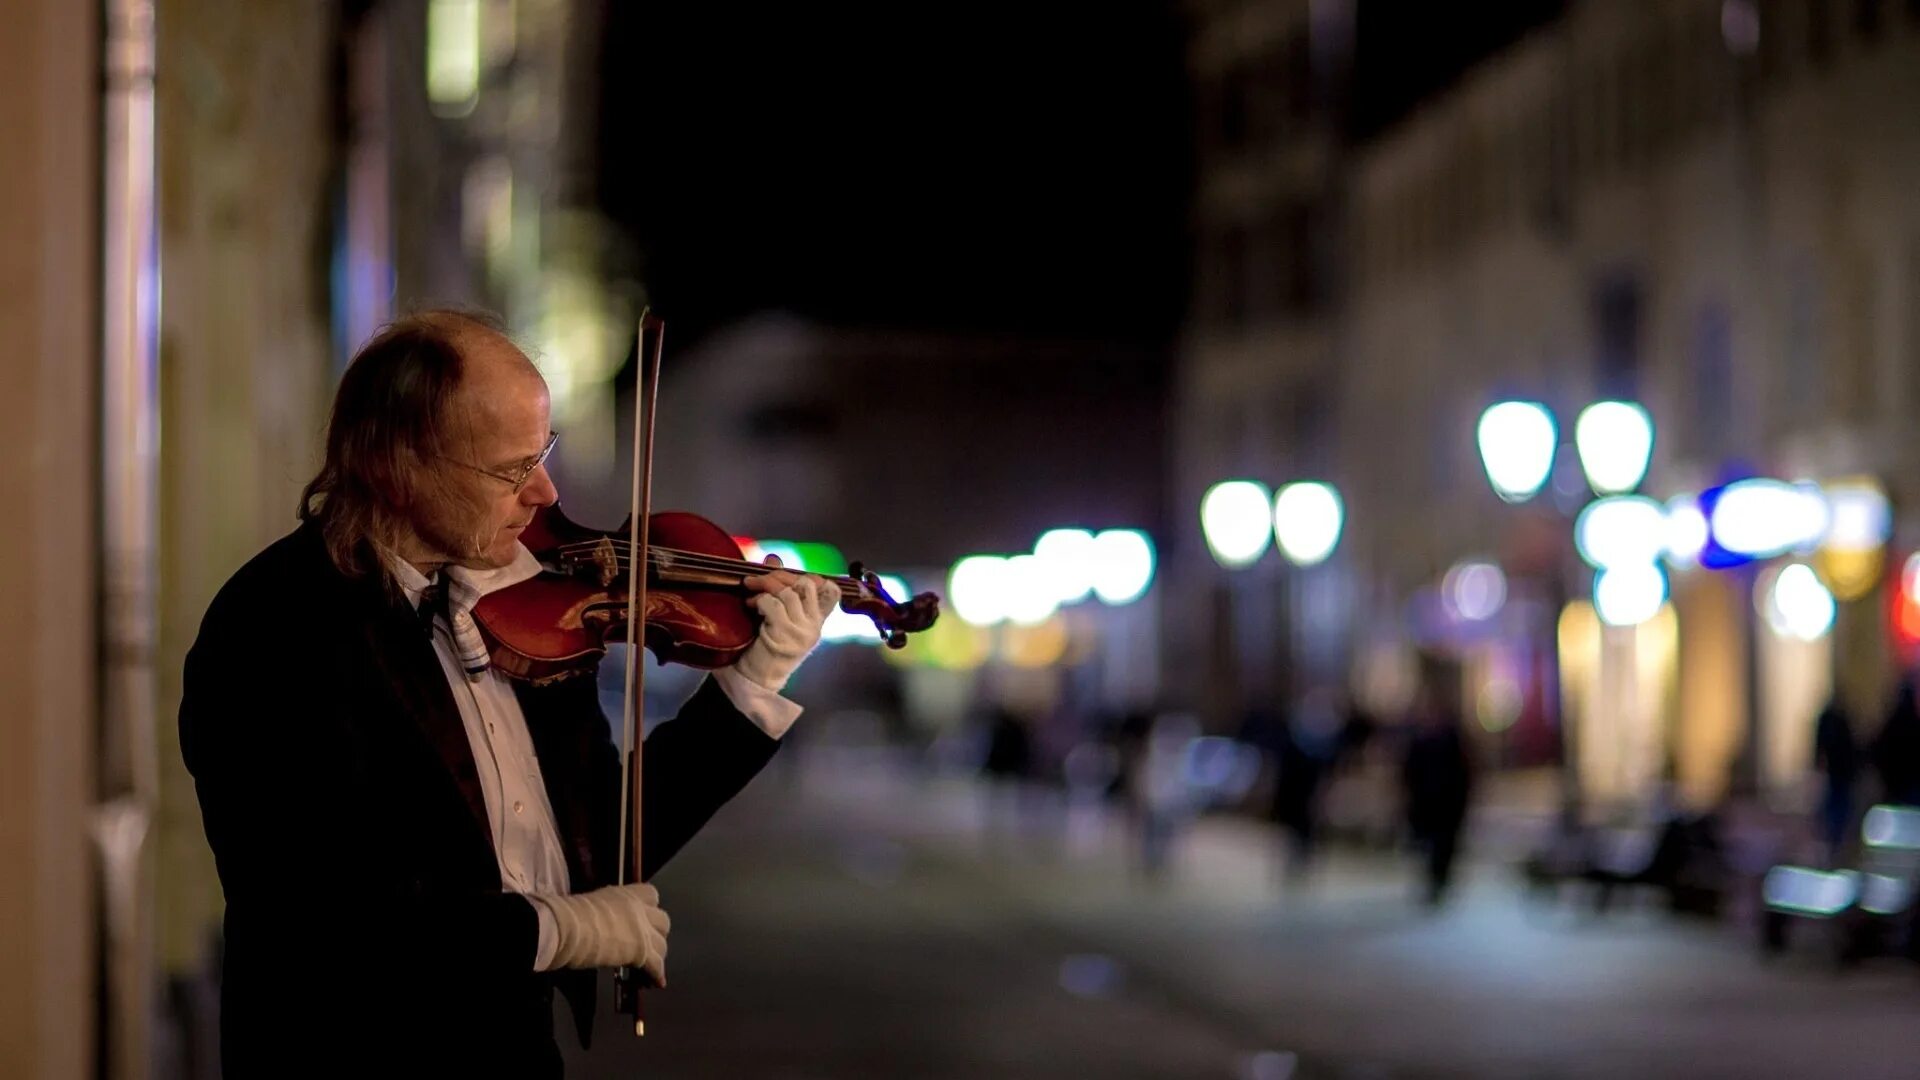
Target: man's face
{"type": "Point", "coordinates": [498, 424]}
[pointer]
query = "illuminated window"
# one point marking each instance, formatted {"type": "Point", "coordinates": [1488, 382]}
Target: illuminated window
{"type": "Point", "coordinates": [453, 56]}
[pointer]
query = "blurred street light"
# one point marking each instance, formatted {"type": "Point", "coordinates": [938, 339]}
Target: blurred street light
{"type": "Point", "coordinates": [1762, 518]}
{"type": "Point", "coordinates": [1122, 565]}
{"type": "Point", "coordinates": [1621, 530]}
{"type": "Point", "coordinates": [1236, 517]}
{"type": "Point", "coordinates": [1615, 440]}
{"type": "Point", "coordinates": [1686, 531]}
{"type": "Point", "coordinates": [1307, 518]}
{"type": "Point", "coordinates": [1517, 443]}
{"type": "Point", "coordinates": [977, 587]}
{"type": "Point", "coordinates": [1797, 605]}
{"type": "Point", "coordinates": [1475, 591]}
{"type": "Point", "coordinates": [1029, 597]}
{"type": "Point", "coordinates": [1071, 560]}
{"type": "Point", "coordinates": [1629, 595]}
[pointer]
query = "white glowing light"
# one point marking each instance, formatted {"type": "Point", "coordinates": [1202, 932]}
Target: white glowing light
{"type": "Point", "coordinates": [896, 588]}
{"type": "Point", "coordinates": [1798, 606]}
{"type": "Point", "coordinates": [1030, 597]}
{"type": "Point", "coordinates": [1307, 518]}
{"type": "Point", "coordinates": [977, 587]}
{"type": "Point", "coordinates": [1070, 560]}
{"type": "Point", "coordinates": [1860, 518]}
{"type": "Point", "coordinates": [1517, 442]}
{"type": "Point", "coordinates": [1236, 516]}
{"type": "Point", "coordinates": [1476, 591]}
{"type": "Point", "coordinates": [1123, 565]}
{"type": "Point", "coordinates": [842, 626]}
{"type": "Point", "coordinates": [1763, 518]}
{"type": "Point", "coordinates": [453, 56]}
{"type": "Point", "coordinates": [1629, 595]}
{"type": "Point", "coordinates": [790, 555]}
{"type": "Point", "coordinates": [1615, 440]}
{"type": "Point", "coordinates": [1621, 530]}
{"type": "Point", "coordinates": [1687, 533]}
{"type": "Point", "coordinates": [1889, 825]}
{"type": "Point", "coordinates": [1500, 704]}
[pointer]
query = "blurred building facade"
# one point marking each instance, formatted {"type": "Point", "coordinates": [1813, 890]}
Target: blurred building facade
{"type": "Point", "coordinates": [1255, 385]}
{"type": "Point", "coordinates": [1698, 206]}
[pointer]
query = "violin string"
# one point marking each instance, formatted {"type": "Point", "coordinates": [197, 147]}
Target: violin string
{"type": "Point", "coordinates": [686, 555]}
{"type": "Point", "coordinates": [689, 557]}
{"type": "Point", "coordinates": [697, 560]}
{"type": "Point", "coordinates": [846, 586]}
{"type": "Point", "coordinates": [708, 562]}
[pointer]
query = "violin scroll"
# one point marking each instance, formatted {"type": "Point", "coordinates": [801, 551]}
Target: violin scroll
{"type": "Point", "coordinates": [894, 620]}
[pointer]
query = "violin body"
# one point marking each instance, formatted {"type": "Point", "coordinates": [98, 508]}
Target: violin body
{"type": "Point", "coordinates": [558, 624]}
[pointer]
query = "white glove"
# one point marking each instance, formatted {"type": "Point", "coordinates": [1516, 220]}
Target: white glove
{"type": "Point", "coordinates": [614, 926]}
{"type": "Point", "coordinates": [790, 622]}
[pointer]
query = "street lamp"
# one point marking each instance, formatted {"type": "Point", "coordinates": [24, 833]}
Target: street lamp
{"type": "Point", "coordinates": [1615, 440]}
{"type": "Point", "coordinates": [1620, 536]}
{"type": "Point", "coordinates": [1307, 518]}
{"type": "Point", "coordinates": [1236, 516]}
{"type": "Point", "coordinates": [1517, 444]}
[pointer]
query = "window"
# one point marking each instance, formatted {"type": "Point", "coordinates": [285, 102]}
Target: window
{"type": "Point", "coordinates": [1776, 55]}
{"type": "Point", "coordinates": [1912, 367]}
{"type": "Point", "coordinates": [1230, 277]}
{"type": "Point", "coordinates": [1617, 306]}
{"type": "Point", "coordinates": [1805, 379]}
{"type": "Point", "coordinates": [1819, 34]}
{"type": "Point", "coordinates": [1712, 389]}
{"type": "Point", "coordinates": [1233, 109]}
{"type": "Point", "coordinates": [1866, 19]}
{"type": "Point", "coordinates": [1858, 363]}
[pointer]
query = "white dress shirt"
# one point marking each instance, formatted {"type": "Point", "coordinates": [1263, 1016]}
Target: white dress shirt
{"type": "Point", "coordinates": [526, 839]}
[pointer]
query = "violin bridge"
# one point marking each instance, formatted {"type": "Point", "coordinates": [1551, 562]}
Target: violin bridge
{"type": "Point", "coordinates": [606, 561]}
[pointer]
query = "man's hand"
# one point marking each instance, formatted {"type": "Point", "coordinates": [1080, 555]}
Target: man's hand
{"type": "Point", "coordinates": [793, 608]}
{"type": "Point", "coordinates": [615, 926]}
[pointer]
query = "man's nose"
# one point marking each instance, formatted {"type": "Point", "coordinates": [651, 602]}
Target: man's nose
{"type": "Point", "coordinates": [540, 490]}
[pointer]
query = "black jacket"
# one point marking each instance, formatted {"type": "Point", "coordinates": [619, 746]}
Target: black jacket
{"type": "Point", "coordinates": [367, 932]}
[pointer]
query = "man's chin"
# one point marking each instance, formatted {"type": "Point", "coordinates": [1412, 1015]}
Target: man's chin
{"type": "Point", "coordinates": [492, 560]}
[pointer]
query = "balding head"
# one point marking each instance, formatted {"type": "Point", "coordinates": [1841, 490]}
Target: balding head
{"type": "Point", "coordinates": [433, 418]}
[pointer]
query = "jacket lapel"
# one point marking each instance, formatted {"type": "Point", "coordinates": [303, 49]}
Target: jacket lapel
{"type": "Point", "coordinates": [407, 663]}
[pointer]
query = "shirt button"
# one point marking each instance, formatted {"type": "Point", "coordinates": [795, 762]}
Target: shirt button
{"type": "Point", "coordinates": [518, 806]}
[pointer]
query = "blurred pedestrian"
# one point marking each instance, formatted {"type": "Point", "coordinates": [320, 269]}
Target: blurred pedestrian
{"type": "Point", "coordinates": [1836, 754]}
{"type": "Point", "coordinates": [1162, 798]}
{"type": "Point", "coordinates": [1308, 744]}
{"type": "Point", "coordinates": [1896, 750]}
{"type": "Point", "coordinates": [1437, 775]}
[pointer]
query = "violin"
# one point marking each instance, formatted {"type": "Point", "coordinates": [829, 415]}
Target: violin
{"type": "Point", "coordinates": [558, 625]}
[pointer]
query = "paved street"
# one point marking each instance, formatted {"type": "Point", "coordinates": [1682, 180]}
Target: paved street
{"type": "Point", "coordinates": [841, 920]}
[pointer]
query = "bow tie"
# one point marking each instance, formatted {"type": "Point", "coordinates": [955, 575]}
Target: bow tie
{"type": "Point", "coordinates": [433, 601]}
{"type": "Point", "coordinates": [469, 646]}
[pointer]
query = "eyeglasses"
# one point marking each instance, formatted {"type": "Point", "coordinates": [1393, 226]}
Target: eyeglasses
{"type": "Point", "coordinates": [520, 475]}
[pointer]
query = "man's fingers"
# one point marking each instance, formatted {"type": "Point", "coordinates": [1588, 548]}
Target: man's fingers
{"type": "Point", "coordinates": [777, 581]}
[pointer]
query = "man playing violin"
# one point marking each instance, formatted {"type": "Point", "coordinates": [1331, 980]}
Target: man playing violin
{"type": "Point", "coordinates": [415, 851]}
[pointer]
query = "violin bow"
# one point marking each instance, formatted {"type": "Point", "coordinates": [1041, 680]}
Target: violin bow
{"type": "Point", "coordinates": [627, 981]}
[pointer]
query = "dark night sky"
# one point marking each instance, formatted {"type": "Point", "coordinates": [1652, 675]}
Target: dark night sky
{"type": "Point", "coordinates": [998, 167]}
{"type": "Point", "coordinates": [1406, 50]}
{"type": "Point", "coordinates": [1002, 167]}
